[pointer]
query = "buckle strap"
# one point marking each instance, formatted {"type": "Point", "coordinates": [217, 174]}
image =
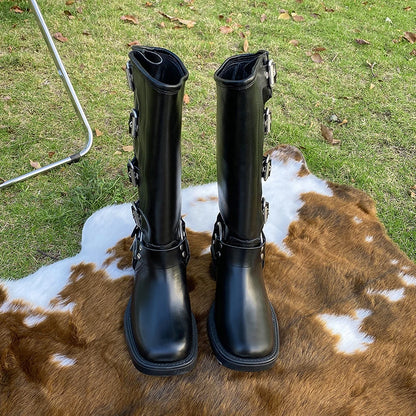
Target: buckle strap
{"type": "Point", "coordinates": [266, 168]}
{"type": "Point", "coordinates": [265, 207]}
{"type": "Point", "coordinates": [129, 75]}
{"type": "Point", "coordinates": [170, 255]}
{"type": "Point", "coordinates": [133, 123]}
{"type": "Point", "coordinates": [220, 247]}
{"type": "Point", "coordinates": [271, 72]}
{"type": "Point", "coordinates": [133, 171]}
{"type": "Point", "coordinates": [267, 114]}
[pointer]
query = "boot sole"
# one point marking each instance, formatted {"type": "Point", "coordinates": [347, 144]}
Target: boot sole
{"type": "Point", "coordinates": [159, 369]}
{"type": "Point", "coordinates": [239, 363]}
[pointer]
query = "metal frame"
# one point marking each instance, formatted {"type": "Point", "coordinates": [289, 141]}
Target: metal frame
{"type": "Point", "coordinates": [74, 99]}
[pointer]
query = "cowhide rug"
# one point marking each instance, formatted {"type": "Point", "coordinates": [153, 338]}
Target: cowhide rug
{"type": "Point", "coordinates": [344, 294]}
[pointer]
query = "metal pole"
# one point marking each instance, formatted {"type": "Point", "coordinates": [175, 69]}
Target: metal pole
{"type": "Point", "coordinates": [74, 99]}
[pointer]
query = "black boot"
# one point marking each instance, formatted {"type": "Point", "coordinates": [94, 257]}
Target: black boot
{"type": "Point", "coordinates": [159, 327]}
{"type": "Point", "coordinates": [242, 325]}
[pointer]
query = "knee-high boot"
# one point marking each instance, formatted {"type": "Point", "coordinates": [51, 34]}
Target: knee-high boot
{"type": "Point", "coordinates": [160, 329]}
{"type": "Point", "coordinates": [242, 324]}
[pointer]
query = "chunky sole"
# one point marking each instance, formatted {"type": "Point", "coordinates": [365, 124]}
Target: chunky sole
{"type": "Point", "coordinates": [239, 363]}
{"type": "Point", "coordinates": [159, 369]}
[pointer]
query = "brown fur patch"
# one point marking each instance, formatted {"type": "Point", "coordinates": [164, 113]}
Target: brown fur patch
{"type": "Point", "coordinates": [339, 251]}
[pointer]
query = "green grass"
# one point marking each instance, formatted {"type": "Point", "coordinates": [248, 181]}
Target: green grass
{"type": "Point", "coordinates": [41, 219]}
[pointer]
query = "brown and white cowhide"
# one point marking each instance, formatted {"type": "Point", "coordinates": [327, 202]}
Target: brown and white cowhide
{"type": "Point", "coordinates": [344, 293]}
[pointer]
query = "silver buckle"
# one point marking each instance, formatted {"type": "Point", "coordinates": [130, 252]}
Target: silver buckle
{"type": "Point", "coordinates": [129, 75]}
{"type": "Point", "coordinates": [133, 123]}
{"type": "Point", "coordinates": [266, 168]}
{"type": "Point", "coordinates": [271, 72]}
{"type": "Point", "coordinates": [267, 120]}
{"type": "Point", "coordinates": [265, 208]}
{"type": "Point", "coordinates": [133, 172]}
{"type": "Point", "coordinates": [136, 216]}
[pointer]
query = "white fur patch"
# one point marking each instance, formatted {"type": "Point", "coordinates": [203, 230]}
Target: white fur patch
{"type": "Point", "coordinates": [62, 360]}
{"type": "Point", "coordinates": [351, 339]}
{"type": "Point", "coordinates": [392, 295]}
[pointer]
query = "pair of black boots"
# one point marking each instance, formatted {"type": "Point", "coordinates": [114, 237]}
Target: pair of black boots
{"type": "Point", "coordinates": [160, 329]}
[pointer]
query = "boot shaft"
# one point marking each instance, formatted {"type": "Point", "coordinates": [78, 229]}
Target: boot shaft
{"type": "Point", "coordinates": [244, 84]}
{"type": "Point", "coordinates": [157, 77]}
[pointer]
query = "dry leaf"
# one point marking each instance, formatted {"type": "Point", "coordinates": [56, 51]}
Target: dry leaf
{"type": "Point", "coordinates": [345, 121]}
{"type": "Point", "coordinates": [263, 18]}
{"type": "Point", "coordinates": [117, 152]}
{"type": "Point", "coordinates": [362, 41]}
{"type": "Point", "coordinates": [79, 10]}
{"type": "Point", "coordinates": [98, 133]}
{"type": "Point", "coordinates": [372, 86]}
{"type": "Point", "coordinates": [69, 14]}
{"type": "Point", "coordinates": [171, 18]}
{"type": "Point", "coordinates": [16, 9]}
{"type": "Point", "coordinates": [128, 148]}
{"type": "Point", "coordinates": [317, 58]}
{"type": "Point", "coordinates": [226, 29]}
{"type": "Point", "coordinates": [148, 4]}
{"type": "Point", "coordinates": [130, 19]}
{"type": "Point", "coordinates": [50, 154]}
{"type": "Point", "coordinates": [409, 36]}
{"type": "Point", "coordinates": [297, 18]}
{"type": "Point", "coordinates": [319, 49]}
{"type": "Point", "coordinates": [187, 23]}
{"type": "Point", "coordinates": [186, 99]}
{"type": "Point", "coordinates": [413, 53]}
{"type": "Point", "coordinates": [35, 165]}
{"type": "Point", "coordinates": [294, 42]}
{"type": "Point", "coordinates": [328, 135]}
{"type": "Point", "coordinates": [134, 42]}
{"type": "Point", "coordinates": [245, 45]}
{"type": "Point", "coordinates": [86, 33]}
{"type": "Point", "coordinates": [59, 36]}
{"type": "Point", "coordinates": [69, 2]}
{"type": "Point", "coordinates": [284, 16]}
{"type": "Point", "coordinates": [407, 9]}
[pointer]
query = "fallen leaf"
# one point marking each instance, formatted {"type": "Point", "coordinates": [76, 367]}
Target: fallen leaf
{"type": "Point", "coordinates": [79, 10]}
{"type": "Point", "coordinates": [50, 154]}
{"type": "Point", "coordinates": [328, 135]}
{"type": "Point", "coordinates": [186, 99]}
{"type": "Point", "coordinates": [69, 2]}
{"type": "Point", "coordinates": [86, 33]}
{"type": "Point", "coordinates": [317, 58]}
{"type": "Point", "coordinates": [413, 53]}
{"type": "Point", "coordinates": [284, 16]}
{"type": "Point", "coordinates": [148, 4]}
{"type": "Point", "coordinates": [171, 18]}
{"type": "Point", "coordinates": [128, 148]}
{"type": "Point", "coordinates": [117, 152]}
{"type": "Point", "coordinates": [16, 9]}
{"type": "Point", "coordinates": [245, 45]}
{"type": "Point", "coordinates": [345, 121]}
{"type": "Point", "coordinates": [68, 14]}
{"type": "Point", "coordinates": [409, 36]}
{"type": "Point", "coordinates": [162, 25]}
{"type": "Point", "coordinates": [187, 23]}
{"type": "Point", "coordinates": [362, 41]}
{"type": "Point", "coordinates": [35, 165]}
{"type": "Point", "coordinates": [134, 42]}
{"type": "Point", "coordinates": [372, 86]}
{"type": "Point", "coordinates": [407, 9]}
{"type": "Point", "coordinates": [130, 19]}
{"type": "Point", "coordinates": [263, 18]}
{"type": "Point", "coordinates": [297, 17]}
{"type": "Point", "coordinates": [226, 29]}
{"type": "Point", "coordinates": [59, 36]}
{"type": "Point", "coordinates": [98, 133]}
{"type": "Point", "coordinates": [319, 49]}
{"type": "Point", "coordinates": [294, 42]}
